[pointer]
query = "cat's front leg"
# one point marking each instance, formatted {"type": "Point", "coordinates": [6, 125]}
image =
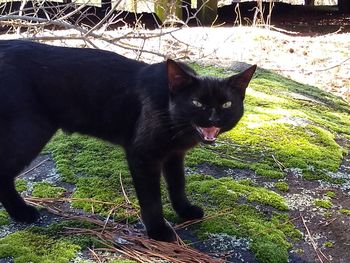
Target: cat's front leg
{"type": "Point", "coordinates": [173, 169]}
{"type": "Point", "coordinates": [145, 171]}
{"type": "Point", "coordinates": [14, 204]}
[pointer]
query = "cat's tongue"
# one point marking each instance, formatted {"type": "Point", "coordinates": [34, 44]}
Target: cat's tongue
{"type": "Point", "coordinates": [209, 134]}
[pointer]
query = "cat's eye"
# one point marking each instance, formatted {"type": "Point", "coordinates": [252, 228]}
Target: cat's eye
{"type": "Point", "coordinates": [197, 103]}
{"type": "Point", "coordinates": [227, 105]}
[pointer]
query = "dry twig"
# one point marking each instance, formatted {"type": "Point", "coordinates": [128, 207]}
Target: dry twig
{"type": "Point", "coordinates": [318, 252]}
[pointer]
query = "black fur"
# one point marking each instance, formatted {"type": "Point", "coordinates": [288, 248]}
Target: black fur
{"type": "Point", "coordinates": [152, 111]}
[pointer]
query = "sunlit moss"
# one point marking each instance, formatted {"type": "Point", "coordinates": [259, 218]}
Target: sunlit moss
{"type": "Point", "coordinates": [107, 190]}
{"type": "Point", "coordinates": [47, 190]}
{"type": "Point", "coordinates": [330, 194]}
{"type": "Point", "coordinates": [328, 244]}
{"type": "Point", "coordinates": [78, 155]}
{"type": "Point", "coordinates": [222, 197]}
{"type": "Point", "coordinates": [21, 185]}
{"type": "Point", "coordinates": [282, 186]}
{"type": "Point", "coordinates": [25, 246]}
{"type": "Point", "coordinates": [345, 211]}
{"type": "Point", "coordinates": [55, 231]}
{"type": "Point", "coordinates": [323, 203]}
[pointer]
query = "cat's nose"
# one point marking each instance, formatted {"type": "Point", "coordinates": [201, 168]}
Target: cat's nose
{"type": "Point", "coordinates": [213, 118]}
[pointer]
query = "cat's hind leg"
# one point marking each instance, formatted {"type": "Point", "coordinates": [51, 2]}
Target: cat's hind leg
{"type": "Point", "coordinates": [21, 140]}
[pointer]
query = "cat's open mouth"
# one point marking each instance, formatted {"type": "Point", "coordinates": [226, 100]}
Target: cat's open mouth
{"type": "Point", "coordinates": [208, 134]}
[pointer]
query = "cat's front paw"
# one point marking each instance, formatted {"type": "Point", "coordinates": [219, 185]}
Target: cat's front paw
{"type": "Point", "coordinates": [163, 233]}
{"type": "Point", "coordinates": [27, 214]}
{"type": "Point", "coordinates": [191, 212]}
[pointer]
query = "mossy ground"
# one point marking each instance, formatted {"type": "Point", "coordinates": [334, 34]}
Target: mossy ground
{"type": "Point", "coordinates": [323, 203]}
{"type": "Point", "coordinates": [282, 186]}
{"type": "Point", "coordinates": [286, 126]}
{"type": "Point", "coordinates": [26, 246]}
{"type": "Point", "coordinates": [47, 190]}
{"type": "Point", "coordinates": [4, 218]}
{"type": "Point", "coordinates": [345, 211]}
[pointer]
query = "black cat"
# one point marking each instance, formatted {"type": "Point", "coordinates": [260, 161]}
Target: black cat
{"type": "Point", "coordinates": [155, 112]}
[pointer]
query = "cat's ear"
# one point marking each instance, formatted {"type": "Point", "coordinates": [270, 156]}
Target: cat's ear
{"type": "Point", "coordinates": [240, 81]}
{"type": "Point", "coordinates": [177, 76]}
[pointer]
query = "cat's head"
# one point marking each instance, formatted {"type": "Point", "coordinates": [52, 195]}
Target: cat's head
{"type": "Point", "coordinates": [206, 106]}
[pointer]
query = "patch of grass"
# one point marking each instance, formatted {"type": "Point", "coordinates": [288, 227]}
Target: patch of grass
{"type": "Point", "coordinates": [47, 190]}
{"type": "Point", "coordinates": [282, 186]}
{"type": "Point", "coordinates": [25, 246]}
{"type": "Point", "coordinates": [323, 203]}
{"type": "Point", "coordinates": [4, 217]}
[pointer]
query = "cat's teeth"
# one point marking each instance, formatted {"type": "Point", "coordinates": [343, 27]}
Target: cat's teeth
{"type": "Point", "coordinates": [208, 134]}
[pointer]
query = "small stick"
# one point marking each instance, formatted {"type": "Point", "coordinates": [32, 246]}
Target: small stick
{"type": "Point", "coordinates": [36, 166]}
{"type": "Point", "coordinates": [311, 239]}
{"type": "Point", "coordinates": [95, 255]}
{"type": "Point", "coordinates": [280, 165]}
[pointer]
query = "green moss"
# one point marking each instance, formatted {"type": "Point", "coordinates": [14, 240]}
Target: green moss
{"type": "Point", "coordinates": [345, 211]}
{"type": "Point", "coordinates": [330, 194]}
{"type": "Point", "coordinates": [95, 167]}
{"type": "Point", "coordinates": [21, 185]}
{"type": "Point", "coordinates": [225, 192]}
{"type": "Point", "coordinates": [55, 231]}
{"type": "Point", "coordinates": [4, 217]}
{"type": "Point", "coordinates": [25, 246]}
{"type": "Point", "coordinates": [77, 156]}
{"type": "Point", "coordinates": [223, 197]}
{"type": "Point", "coordinates": [328, 244]}
{"type": "Point", "coordinates": [323, 203]}
{"type": "Point", "coordinates": [269, 252]}
{"type": "Point", "coordinates": [107, 190]}
{"type": "Point", "coordinates": [311, 174]}
{"type": "Point", "coordinates": [282, 186]}
{"type": "Point", "coordinates": [47, 190]}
